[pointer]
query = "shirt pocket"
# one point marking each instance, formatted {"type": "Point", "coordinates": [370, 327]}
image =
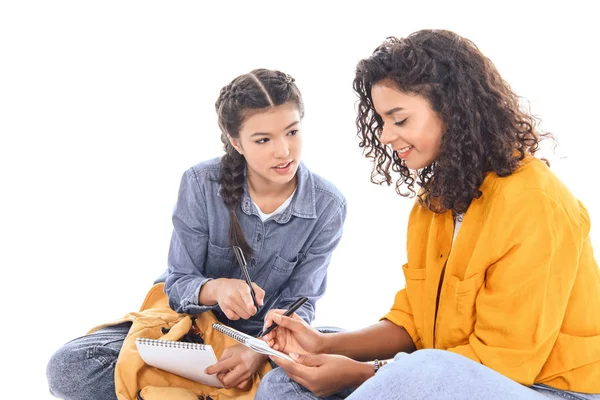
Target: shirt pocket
{"type": "Point", "coordinates": [415, 291]}
{"type": "Point", "coordinates": [456, 316]}
{"type": "Point", "coordinates": [219, 262]}
{"type": "Point", "coordinates": [280, 271]}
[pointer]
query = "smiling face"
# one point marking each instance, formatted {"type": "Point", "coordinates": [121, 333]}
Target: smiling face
{"type": "Point", "coordinates": [410, 126]}
{"type": "Point", "coordinates": [270, 141]}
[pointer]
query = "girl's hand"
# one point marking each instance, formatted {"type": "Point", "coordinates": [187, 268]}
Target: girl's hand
{"type": "Point", "coordinates": [233, 296]}
{"type": "Point", "coordinates": [236, 366]}
{"type": "Point", "coordinates": [325, 374]}
{"type": "Point", "coordinates": [293, 335]}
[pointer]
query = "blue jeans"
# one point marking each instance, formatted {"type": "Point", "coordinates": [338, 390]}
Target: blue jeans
{"type": "Point", "coordinates": [84, 368]}
{"type": "Point", "coordinates": [425, 374]}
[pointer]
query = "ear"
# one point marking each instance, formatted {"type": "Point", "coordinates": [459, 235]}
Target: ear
{"type": "Point", "coordinates": [236, 144]}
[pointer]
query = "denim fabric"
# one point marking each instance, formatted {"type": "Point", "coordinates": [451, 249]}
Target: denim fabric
{"type": "Point", "coordinates": [425, 374]}
{"type": "Point", "coordinates": [291, 250]}
{"type": "Point", "coordinates": [84, 368]}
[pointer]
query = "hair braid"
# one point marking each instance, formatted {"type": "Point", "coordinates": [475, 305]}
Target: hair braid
{"type": "Point", "coordinates": [232, 190]}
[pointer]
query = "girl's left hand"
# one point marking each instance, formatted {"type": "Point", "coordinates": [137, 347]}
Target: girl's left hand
{"type": "Point", "coordinates": [325, 374]}
{"type": "Point", "coordinates": [236, 366]}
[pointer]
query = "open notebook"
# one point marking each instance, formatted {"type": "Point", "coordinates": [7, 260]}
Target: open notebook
{"type": "Point", "coordinates": [260, 346]}
{"type": "Point", "coordinates": [181, 358]}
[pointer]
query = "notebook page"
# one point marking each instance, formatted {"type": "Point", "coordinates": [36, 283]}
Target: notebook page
{"type": "Point", "coordinates": [184, 359]}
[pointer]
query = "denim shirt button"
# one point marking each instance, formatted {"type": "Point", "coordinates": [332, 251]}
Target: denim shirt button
{"type": "Point", "coordinates": [253, 263]}
{"type": "Point", "coordinates": [258, 237]}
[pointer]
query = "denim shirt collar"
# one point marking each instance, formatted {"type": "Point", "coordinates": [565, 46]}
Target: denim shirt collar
{"type": "Point", "coordinates": [303, 204]}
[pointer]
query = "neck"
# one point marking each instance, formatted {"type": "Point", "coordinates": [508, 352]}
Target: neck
{"type": "Point", "coordinates": [260, 188]}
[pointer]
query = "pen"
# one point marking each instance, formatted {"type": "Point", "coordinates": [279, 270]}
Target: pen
{"type": "Point", "coordinates": [289, 312]}
{"type": "Point", "coordinates": [239, 254]}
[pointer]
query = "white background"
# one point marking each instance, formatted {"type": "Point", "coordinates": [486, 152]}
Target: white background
{"type": "Point", "coordinates": [103, 105]}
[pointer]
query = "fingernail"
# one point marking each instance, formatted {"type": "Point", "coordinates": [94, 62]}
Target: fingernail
{"type": "Point", "coordinates": [276, 316]}
{"type": "Point", "coordinates": [294, 355]}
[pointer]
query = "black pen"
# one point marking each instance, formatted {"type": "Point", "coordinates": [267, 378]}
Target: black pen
{"type": "Point", "coordinates": [239, 254]}
{"type": "Point", "coordinates": [289, 312]}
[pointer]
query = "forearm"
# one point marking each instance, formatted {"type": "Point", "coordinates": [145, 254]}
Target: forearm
{"type": "Point", "coordinates": [183, 293]}
{"type": "Point", "coordinates": [382, 340]}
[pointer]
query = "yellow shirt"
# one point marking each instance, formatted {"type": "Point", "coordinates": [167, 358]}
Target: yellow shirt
{"type": "Point", "coordinates": [519, 291]}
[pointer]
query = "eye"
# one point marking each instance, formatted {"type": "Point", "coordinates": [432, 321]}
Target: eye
{"type": "Point", "coordinates": [262, 141]}
{"type": "Point", "coordinates": [294, 132]}
{"type": "Point", "coordinates": [401, 122]}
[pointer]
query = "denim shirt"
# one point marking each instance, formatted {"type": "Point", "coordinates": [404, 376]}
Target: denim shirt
{"type": "Point", "coordinates": [291, 250]}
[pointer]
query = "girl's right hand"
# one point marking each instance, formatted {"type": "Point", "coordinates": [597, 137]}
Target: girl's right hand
{"type": "Point", "coordinates": [293, 335]}
{"type": "Point", "coordinates": [234, 298]}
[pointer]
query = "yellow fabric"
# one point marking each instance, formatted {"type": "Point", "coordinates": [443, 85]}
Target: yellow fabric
{"type": "Point", "coordinates": [520, 291]}
{"type": "Point", "coordinates": [132, 374]}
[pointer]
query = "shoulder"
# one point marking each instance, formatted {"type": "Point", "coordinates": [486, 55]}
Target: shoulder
{"type": "Point", "coordinates": [533, 188]}
{"type": "Point", "coordinates": [205, 171]}
{"type": "Point", "coordinates": [325, 190]}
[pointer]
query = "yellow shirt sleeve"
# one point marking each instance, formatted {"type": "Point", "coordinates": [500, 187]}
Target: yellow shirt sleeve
{"type": "Point", "coordinates": [519, 310]}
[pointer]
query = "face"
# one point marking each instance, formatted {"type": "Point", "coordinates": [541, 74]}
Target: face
{"type": "Point", "coordinates": [410, 126]}
{"type": "Point", "coordinates": [271, 143]}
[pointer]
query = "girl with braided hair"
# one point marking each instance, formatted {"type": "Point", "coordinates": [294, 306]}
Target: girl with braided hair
{"type": "Point", "coordinates": [502, 289]}
{"type": "Point", "coordinates": [258, 196]}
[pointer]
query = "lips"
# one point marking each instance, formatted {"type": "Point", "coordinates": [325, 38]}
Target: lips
{"type": "Point", "coordinates": [283, 165]}
{"type": "Point", "coordinates": [404, 152]}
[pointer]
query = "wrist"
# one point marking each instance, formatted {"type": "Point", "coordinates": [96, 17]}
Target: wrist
{"type": "Point", "coordinates": [208, 292]}
{"type": "Point", "coordinates": [325, 343]}
{"type": "Point", "coordinates": [363, 371]}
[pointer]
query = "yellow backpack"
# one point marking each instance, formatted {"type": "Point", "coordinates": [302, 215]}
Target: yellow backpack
{"type": "Point", "coordinates": [135, 380]}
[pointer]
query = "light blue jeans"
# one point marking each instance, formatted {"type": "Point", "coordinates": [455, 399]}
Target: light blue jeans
{"type": "Point", "coordinates": [84, 368]}
{"type": "Point", "coordinates": [424, 374]}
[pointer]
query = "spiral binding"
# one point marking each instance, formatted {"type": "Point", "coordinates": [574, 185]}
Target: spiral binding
{"type": "Point", "coordinates": [170, 343]}
{"type": "Point", "coordinates": [239, 336]}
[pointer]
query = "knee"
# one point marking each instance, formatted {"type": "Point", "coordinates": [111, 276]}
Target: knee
{"type": "Point", "coordinates": [426, 364]}
{"type": "Point", "coordinates": [273, 385]}
{"type": "Point", "coordinates": [58, 372]}
{"type": "Point", "coordinates": [76, 371]}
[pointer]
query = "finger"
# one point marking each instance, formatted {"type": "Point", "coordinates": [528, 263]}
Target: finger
{"type": "Point", "coordinates": [238, 306]}
{"type": "Point", "coordinates": [221, 377]}
{"type": "Point", "coordinates": [225, 364]}
{"type": "Point", "coordinates": [269, 317]}
{"type": "Point", "coordinates": [245, 385]}
{"type": "Point", "coordinates": [245, 305]}
{"type": "Point", "coordinates": [292, 324]}
{"type": "Point", "coordinates": [290, 367]}
{"type": "Point", "coordinates": [235, 377]}
{"type": "Point", "coordinates": [260, 294]}
{"type": "Point", "coordinates": [310, 360]}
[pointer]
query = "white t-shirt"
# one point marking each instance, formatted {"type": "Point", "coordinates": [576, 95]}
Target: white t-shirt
{"type": "Point", "coordinates": [279, 210]}
{"type": "Point", "coordinates": [457, 222]}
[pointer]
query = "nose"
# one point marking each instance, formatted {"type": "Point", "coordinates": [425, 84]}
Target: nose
{"type": "Point", "coordinates": [386, 136]}
{"type": "Point", "coordinates": [282, 148]}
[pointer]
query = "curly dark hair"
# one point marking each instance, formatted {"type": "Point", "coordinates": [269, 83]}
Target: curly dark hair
{"type": "Point", "coordinates": [485, 128]}
{"type": "Point", "coordinates": [247, 94]}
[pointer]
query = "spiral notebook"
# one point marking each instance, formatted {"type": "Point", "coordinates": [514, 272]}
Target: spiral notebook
{"type": "Point", "coordinates": [188, 360]}
{"type": "Point", "coordinates": [260, 346]}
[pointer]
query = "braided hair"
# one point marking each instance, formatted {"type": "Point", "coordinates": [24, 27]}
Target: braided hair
{"type": "Point", "coordinates": [485, 128]}
{"type": "Point", "coordinates": [258, 90]}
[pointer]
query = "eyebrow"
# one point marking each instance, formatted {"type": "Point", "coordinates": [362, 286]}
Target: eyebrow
{"type": "Point", "coordinates": [394, 110]}
{"type": "Point", "coordinates": [268, 134]}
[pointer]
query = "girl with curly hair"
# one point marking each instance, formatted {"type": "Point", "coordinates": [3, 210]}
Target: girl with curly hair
{"type": "Point", "coordinates": [258, 196]}
{"type": "Point", "coordinates": [502, 289]}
